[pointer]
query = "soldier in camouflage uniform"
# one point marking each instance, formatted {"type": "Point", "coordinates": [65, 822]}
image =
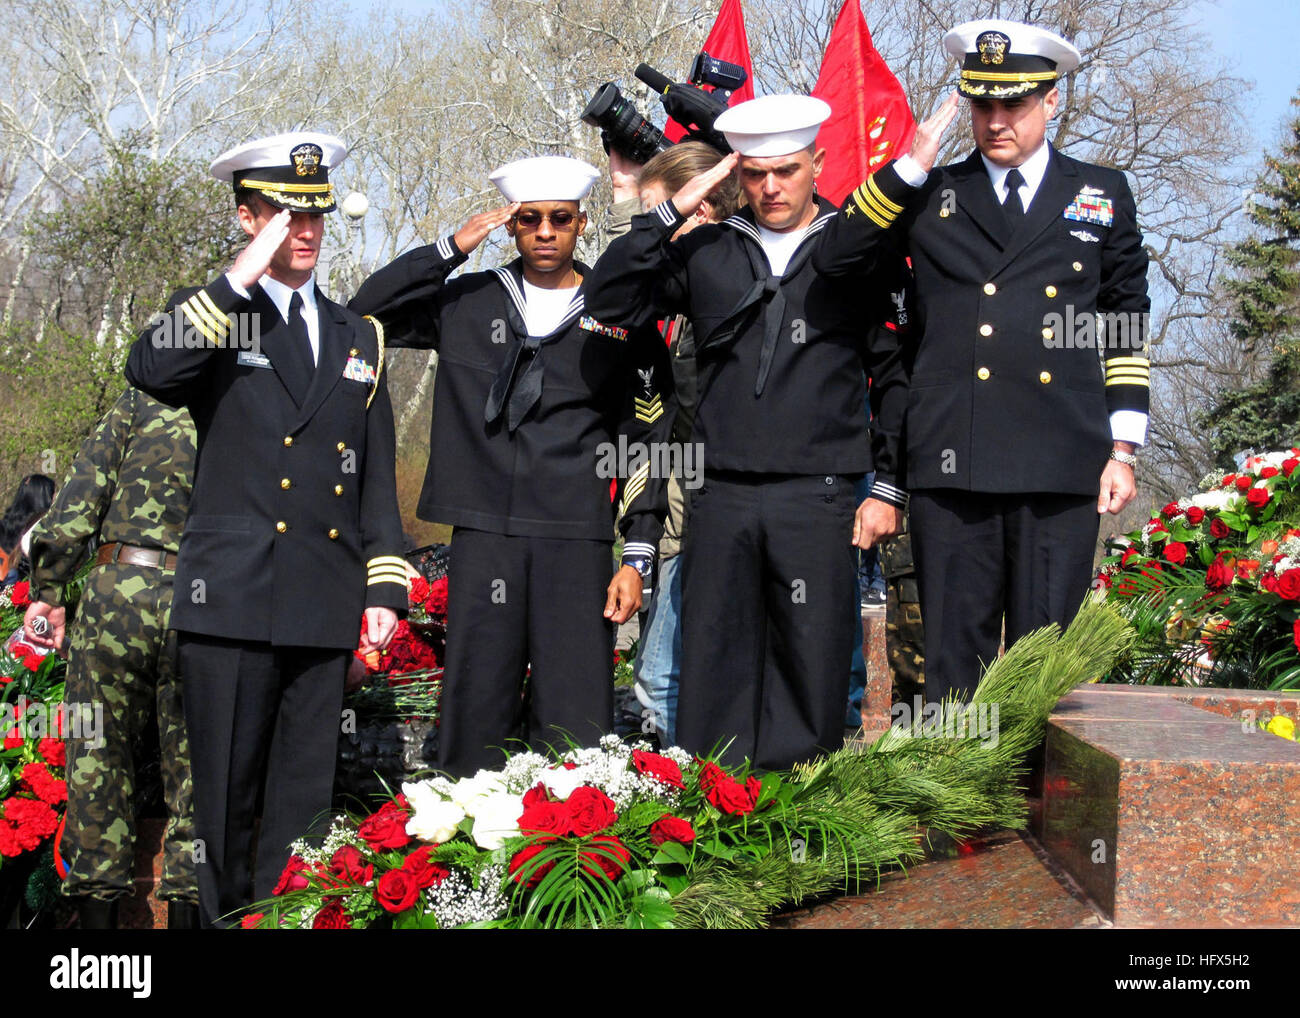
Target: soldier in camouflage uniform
{"type": "Point", "coordinates": [904, 634]}
{"type": "Point", "coordinates": [128, 492]}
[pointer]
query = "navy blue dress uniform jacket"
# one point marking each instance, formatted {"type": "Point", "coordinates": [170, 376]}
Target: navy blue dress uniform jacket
{"type": "Point", "coordinates": [544, 478]}
{"type": "Point", "coordinates": [293, 527]}
{"type": "Point", "coordinates": [830, 338]}
{"type": "Point", "coordinates": [1008, 392]}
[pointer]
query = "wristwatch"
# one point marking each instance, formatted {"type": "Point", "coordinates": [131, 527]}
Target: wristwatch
{"type": "Point", "coordinates": [1127, 458]}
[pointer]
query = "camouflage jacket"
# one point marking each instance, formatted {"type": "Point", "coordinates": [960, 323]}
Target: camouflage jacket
{"type": "Point", "coordinates": [130, 483]}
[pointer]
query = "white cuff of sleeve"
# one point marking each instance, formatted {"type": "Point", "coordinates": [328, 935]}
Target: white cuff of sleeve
{"type": "Point", "coordinates": [1128, 426]}
{"type": "Point", "coordinates": [238, 288]}
{"type": "Point", "coordinates": [910, 170]}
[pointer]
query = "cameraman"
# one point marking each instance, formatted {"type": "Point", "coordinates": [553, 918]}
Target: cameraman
{"type": "Point", "coordinates": [639, 188]}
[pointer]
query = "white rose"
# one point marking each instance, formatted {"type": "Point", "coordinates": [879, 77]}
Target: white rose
{"type": "Point", "coordinates": [496, 818]}
{"type": "Point", "coordinates": [466, 790]}
{"type": "Point", "coordinates": [562, 782]}
{"type": "Point", "coordinates": [433, 818]}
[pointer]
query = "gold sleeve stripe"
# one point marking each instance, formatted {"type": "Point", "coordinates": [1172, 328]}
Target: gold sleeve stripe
{"type": "Point", "coordinates": [218, 316]}
{"type": "Point", "coordinates": [200, 324]}
{"type": "Point", "coordinates": [879, 196]}
{"type": "Point", "coordinates": [387, 573]}
{"type": "Point", "coordinates": [379, 368]}
{"type": "Point", "coordinates": [385, 578]}
{"type": "Point", "coordinates": [198, 313]}
{"type": "Point", "coordinates": [1137, 362]}
{"type": "Point", "coordinates": [1144, 372]}
{"type": "Point", "coordinates": [881, 219]}
{"type": "Point", "coordinates": [1129, 380]}
{"type": "Point", "coordinates": [387, 560]}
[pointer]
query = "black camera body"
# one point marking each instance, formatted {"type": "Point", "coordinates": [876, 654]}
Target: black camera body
{"type": "Point", "coordinates": [626, 131]}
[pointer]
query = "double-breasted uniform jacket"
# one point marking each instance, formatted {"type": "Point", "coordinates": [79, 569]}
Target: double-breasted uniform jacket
{"type": "Point", "coordinates": [810, 338]}
{"type": "Point", "coordinates": [545, 473]}
{"type": "Point", "coordinates": [1008, 392]}
{"type": "Point", "coordinates": [293, 527]}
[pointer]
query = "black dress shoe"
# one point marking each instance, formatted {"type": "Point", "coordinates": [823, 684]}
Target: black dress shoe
{"type": "Point", "coordinates": [181, 915]}
{"type": "Point", "coordinates": [93, 914]}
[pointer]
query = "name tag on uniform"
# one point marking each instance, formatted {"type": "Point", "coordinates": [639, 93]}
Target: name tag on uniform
{"type": "Point", "coordinates": [1089, 207]}
{"type": "Point", "coordinates": [248, 359]}
{"type": "Point", "coordinates": [358, 370]}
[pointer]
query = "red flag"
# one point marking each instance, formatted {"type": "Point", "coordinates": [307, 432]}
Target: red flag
{"type": "Point", "coordinates": [727, 42]}
{"type": "Point", "coordinates": [870, 121]}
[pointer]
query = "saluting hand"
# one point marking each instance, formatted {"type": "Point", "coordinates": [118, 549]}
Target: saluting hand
{"type": "Point", "coordinates": [929, 133]}
{"type": "Point", "coordinates": [473, 233]}
{"type": "Point", "coordinates": [699, 187]}
{"type": "Point", "coordinates": [254, 260]}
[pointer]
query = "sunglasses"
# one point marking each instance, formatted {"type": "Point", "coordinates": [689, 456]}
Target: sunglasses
{"type": "Point", "coordinates": [561, 220]}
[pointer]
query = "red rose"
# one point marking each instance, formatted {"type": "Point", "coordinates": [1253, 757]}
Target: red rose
{"type": "Point", "coordinates": [1218, 574]}
{"type": "Point", "coordinates": [425, 873]}
{"type": "Point", "coordinates": [349, 865]}
{"type": "Point", "coordinates": [1288, 585]}
{"type": "Point", "coordinates": [53, 752]}
{"type": "Point", "coordinates": [21, 594]}
{"type": "Point", "coordinates": [1289, 465]}
{"type": "Point", "coordinates": [753, 786]}
{"type": "Point", "coordinates": [1176, 552]}
{"type": "Point", "coordinates": [520, 860]}
{"type": "Point", "coordinates": [568, 765]}
{"type": "Point", "coordinates": [658, 767]}
{"type": "Point", "coordinates": [671, 828]}
{"type": "Point", "coordinates": [1257, 497]}
{"type": "Point", "coordinates": [611, 859]}
{"type": "Point", "coordinates": [1195, 514]}
{"type": "Point", "coordinates": [1218, 528]}
{"type": "Point", "coordinates": [292, 878]}
{"type": "Point", "coordinates": [397, 890]}
{"type": "Point", "coordinates": [545, 817]}
{"type": "Point", "coordinates": [1156, 527]}
{"type": "Point", "coordinates": [332, 916]}
{"type": "Point", "coordinates": [249, 922]}
{"type": "Point", "coordinates": [730, 796]}
{"type": "Point", "coordinates": [1267, 472]}
{"type": "Point", "coordinates": [1244, 482]}
{"type": "Point", "coordinates": [1129, 555]}
{"type": "Point", "coordinates": [386, 828]}
{"type": "Point", "coordinates": [710, 775]}
{"type": "Point", "coordinates": [1170, 511]}
{"type": "Point", "coordinates": [538, 793]}
{"type": "Point", "coordinates": [1229, 480]}
{"type": "Point", "coordinates": [590, 810]}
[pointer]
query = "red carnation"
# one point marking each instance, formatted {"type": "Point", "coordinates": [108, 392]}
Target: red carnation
{"type": "Point", "coordinates": [1195, 514]}
{"type": "Point", "coordinates": [21, 594]}
{"type": "Point", "coordinates": [426, 873]}
{"type": "Point", "coordinates": [32, 662]}
{"type": "Point", "coordinates": [53, 751]}
{"type": "Point", "coordinates": [44, 785]}
{"type": "Point", "coordinates": [397, 890]}
{"type": "Point", "coordinates": [1228, 481]}
{"type": "Point", "coordinates": [611, 861]}
{"type": "Point", "coordinates": [1130, 553]}
{"type": "Point", "coordinates": [1219, 529]}
{"type": "Point", "coordinates": [590, 810]}
{"type": "Point", "coordinates": [1218, 574]}
{"type": "Point", "coordinates": [658, 767]}
{"type": "Point", "coordinates": [332, 916]}
{"type": "Point", "coordinates": [249, 922]}
{"type": "Point", "coordinates": [14, 739]}
{"type": "Point", "coordinates": [671, 828]}
{"type": "Point", "coordinates": [1176, 552]}
{"type": "Point", "coordinates": [520, 860]}
{"type": "Point", "coordinates": [386, 828]}
{"type": "Point", "coordinates": [1287, 586]}
{"type": "Point", "coordinates": [1244, 482]}
{"type": "Point", "coordinates": [419, 590]}
{"type": "Point", "coordinates": [292, 878]}
{"type": "Point", "coordinates": [33, 820]}
{"type": "Point", "coordinates": [1289, 465]}
{"type": "Point", "coordinates": [1170, 511]}
{"type": "Point", "coordinates": [436, 602]}
{"type": "Point", "coordinates": [1295, 633]}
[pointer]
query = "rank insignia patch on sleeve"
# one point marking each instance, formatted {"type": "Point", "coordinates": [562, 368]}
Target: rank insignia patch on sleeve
{"type": "Point", "coordinates": [591, 325]}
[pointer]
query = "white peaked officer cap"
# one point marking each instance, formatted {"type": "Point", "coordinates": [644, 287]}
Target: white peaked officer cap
{"type": "Point", "coordinates": [773, 125]}
{"type": "Point", "coordinates": [545, 178]}
{"type": "Point", "coordinates": [1001, 59]}
{"type": "Point", "coordinates": [290, 171]}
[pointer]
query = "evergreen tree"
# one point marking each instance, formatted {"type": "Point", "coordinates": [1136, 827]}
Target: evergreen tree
{"type": "Point", "coordinates": [1265, 294]}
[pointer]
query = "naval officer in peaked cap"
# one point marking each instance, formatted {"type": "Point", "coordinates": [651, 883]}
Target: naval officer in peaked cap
{"type": "Point", "coordinates": [293, 533]}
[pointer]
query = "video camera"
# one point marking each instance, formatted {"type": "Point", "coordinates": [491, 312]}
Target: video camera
{"type": "Point", "coordinates": [625, 130]}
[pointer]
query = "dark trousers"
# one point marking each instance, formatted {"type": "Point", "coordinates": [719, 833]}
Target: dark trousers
{"type": "Point", "coordinates": [981, 556]}
{"type": "Point", "coordinates": [259, 718]}
{"type": "Point", "coordinates": [767, 573]}
{"type": "Point", "coordinates": [516, 607]}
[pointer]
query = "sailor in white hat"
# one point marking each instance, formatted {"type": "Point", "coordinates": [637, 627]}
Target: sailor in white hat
{"type": "Point", "coordinates": [1016, 441]}
{"type": "Point", "coordinates": [294, 535]}
{"type": "Point", "coordinates": [532, 393]}
{"type": "Point", "coordinates": [780, 417]}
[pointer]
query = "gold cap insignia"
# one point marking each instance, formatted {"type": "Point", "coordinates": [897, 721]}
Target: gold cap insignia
{"type": "Point", "coordinates": [306, 159]}
{"type": "Point", "coordinates": [993, 47]}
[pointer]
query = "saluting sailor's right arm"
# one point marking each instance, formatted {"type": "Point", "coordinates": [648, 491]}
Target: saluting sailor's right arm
{"type": "Point", "coordinates": [855, 240]}
{"type": "Point", "coordinates": [403, 294]}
